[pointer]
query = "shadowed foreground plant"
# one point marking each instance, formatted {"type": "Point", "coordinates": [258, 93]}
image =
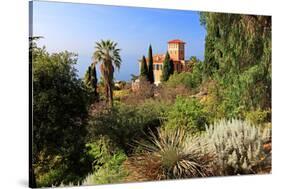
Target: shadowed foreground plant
{"type": "Point", "coordinates": [239, 147]}
{"type": "Point", "coordinates": [108, 165]}
{"type": "Point", "coordinates": [171, 155]}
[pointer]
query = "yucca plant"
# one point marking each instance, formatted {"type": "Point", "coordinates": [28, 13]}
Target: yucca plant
{"type": "Point", "coordinates": [239, 147]}
{"type": "Point", "coordinates": [172, 154]}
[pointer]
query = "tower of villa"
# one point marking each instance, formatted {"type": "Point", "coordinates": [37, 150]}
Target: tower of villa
{"type": "Point", "coordinates": [176, 50]}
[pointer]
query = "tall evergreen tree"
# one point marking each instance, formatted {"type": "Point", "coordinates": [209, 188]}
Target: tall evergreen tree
{"type": "Point", "coordinates": [166, 68]}
{"type": "Point", "coordinates": [150, 65]}
{"type": "Point", "coordinates": [171, 67]}
{"type": "Point", "coordinates": [91, 80]}
{"type": "Point", "coordinates": [144, 69]}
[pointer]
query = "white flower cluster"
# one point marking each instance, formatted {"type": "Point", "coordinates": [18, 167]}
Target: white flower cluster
{"type": "Point", "coordinates": [238, 145]}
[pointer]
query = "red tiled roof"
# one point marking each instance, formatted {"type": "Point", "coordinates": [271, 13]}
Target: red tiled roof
{"type": "Point", "coordinates": [176, 41]}
{"type": "Point", "coordinates": [157, 58]}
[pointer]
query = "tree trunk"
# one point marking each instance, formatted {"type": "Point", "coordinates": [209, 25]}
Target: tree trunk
{"type": "Point", "coordinates": [110, 95]}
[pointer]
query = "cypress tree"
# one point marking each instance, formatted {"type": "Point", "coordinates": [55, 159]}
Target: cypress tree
{"type": "Point", "coordinates": [94, 80]}
{"type": "Point", "coordinates": [166, 68]}
{"type": "Point", "coordinates": [91, 79]}
{"type": "Point", "coordinates": [171, 67]}
{"type": "Point", "coordinates": [144, 69]}
{"type": "Point", "coordinates": [150, 65]}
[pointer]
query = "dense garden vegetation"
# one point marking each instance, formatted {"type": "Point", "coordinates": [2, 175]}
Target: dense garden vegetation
{"type": "Point", "coordinates": [213, 120]}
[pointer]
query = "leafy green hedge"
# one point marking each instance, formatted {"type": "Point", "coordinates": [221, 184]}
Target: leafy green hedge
{"type": "Point", "coordinates": [188, 113]}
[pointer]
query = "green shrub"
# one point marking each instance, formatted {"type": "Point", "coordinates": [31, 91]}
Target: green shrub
{"type": "Point", "coordinates": [108, 165]}
{"type": "Point", "coordinates": [50, 178]}
{"type": "Point", "coordinates": [238, 146]}
{"type": "Point", "coordinates": [125, 123]}
{"type": "Point", "coordinates": [100, 150]}
{"type": "Point", "coordinates": [190, 80]}
{"type": "Point", "coordinates": [258, 116]}
{"type": "Point", "coordinates": [55, 172]}
{"type": "Point", "coordinates": [188, 113]}
{"type": "Point", "coordinates": [152, 110]}
{"type": "Point", "coordinates": [184, 78]}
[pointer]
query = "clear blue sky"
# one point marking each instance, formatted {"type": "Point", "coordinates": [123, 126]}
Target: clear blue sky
{"type": "Point", "coordinates": [76, 28]}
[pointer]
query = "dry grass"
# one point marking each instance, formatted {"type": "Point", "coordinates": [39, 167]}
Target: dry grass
{"type": "Point", "coordinates": [143, 167]}
{"type": "Point", "coordinates": [146, 91]}
{"type": "Point", "coordinates": [169, 94]}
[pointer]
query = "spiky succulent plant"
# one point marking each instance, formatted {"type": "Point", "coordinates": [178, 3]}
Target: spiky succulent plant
{"type": "Point", "coordinates": [176, 154]}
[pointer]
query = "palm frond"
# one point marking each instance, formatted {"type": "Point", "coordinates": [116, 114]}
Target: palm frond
{"type": "Point", "coordinates": [108, 55]}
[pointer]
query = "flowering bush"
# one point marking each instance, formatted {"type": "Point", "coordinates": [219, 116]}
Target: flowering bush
{"type": "Point", "coordinates": [238, 146]}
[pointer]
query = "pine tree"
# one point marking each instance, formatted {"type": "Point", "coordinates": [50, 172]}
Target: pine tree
{"type": "Point", "coordinates": [166, 68]}
{"type": "Point", "coordinates": [144, 69]}
{"type": "Point", "coordinates": [150, 65]}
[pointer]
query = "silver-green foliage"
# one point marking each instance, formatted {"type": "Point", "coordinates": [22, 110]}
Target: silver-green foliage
{"type": "Point", "coordinates": [238, 146]}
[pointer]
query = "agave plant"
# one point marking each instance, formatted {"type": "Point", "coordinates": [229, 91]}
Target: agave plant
{"type": "Point", "coordinates": [239, 147]}
{"type": "Point", "coordinates": [175, 155]}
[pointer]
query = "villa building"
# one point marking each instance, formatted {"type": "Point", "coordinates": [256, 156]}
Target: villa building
{"type": "Point", "coordinates": [176, 51]}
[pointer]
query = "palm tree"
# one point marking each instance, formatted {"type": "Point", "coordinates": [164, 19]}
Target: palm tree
{"type": "Point", "coordinates": [107, 54]}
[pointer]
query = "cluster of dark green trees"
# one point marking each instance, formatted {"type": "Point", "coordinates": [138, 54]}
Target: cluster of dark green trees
{"type": "Point", "coordinates": [60, 105]}
{"type": "Point", "coordinates": [146, 71]}
{"type": "Point", "coordinates": [238, 58]}
{"type": "Point", "coordinates": [60, 111]}
{"type": "Point", "coordinates": [147, 68]}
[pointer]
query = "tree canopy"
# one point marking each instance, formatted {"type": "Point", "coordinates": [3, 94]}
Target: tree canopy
{"type": "Point", "coordinates": [238, 57]}
{"type": "Point", "coordinates": [60, 111]}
